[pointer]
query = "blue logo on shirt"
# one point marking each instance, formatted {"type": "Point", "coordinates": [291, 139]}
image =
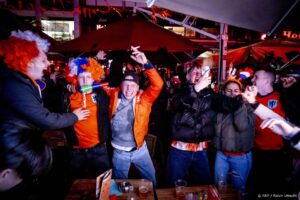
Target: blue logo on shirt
{"type": "Point", "coordinates": [272, 103]}
{"type": "Point", "coordinates": [94, 98]}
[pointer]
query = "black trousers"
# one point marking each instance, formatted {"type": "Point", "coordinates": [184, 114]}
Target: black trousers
{"type": "Point", "coordinates": [89, 162]}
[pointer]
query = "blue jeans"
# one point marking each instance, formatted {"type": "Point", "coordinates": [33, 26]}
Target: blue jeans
{"type": "Point", "coordinates": [89, 162]}
{"type": "Point", "coordinates": [236, 166]}
{"type": "Point", "coordinates": [140, 158]}
{"type": "Point", "coordinates": [180, 163]}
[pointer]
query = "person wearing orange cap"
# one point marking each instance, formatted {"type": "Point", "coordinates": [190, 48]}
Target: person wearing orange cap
{"type": "Point", "coordinates": [88, 155]}
{"type": "Point", "coordinates": [24, 56]}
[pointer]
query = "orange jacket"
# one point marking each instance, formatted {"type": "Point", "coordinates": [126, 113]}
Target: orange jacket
{"type": "Point", "coordinates": [142, 104]}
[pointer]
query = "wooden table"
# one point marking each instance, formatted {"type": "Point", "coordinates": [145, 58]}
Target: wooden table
{"type": "Point", "coordinates": [85, 189]}
{"type": "Point", "coordinates": [213, 194]}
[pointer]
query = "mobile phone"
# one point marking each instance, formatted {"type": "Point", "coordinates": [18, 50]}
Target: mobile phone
{"type": "Point", "coordinates": [205, 71]}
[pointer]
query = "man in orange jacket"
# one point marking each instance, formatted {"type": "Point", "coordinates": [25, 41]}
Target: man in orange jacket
{"type": "Point", "coordinates": [129, 112]}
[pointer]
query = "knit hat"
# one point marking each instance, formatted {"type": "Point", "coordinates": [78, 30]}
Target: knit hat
{"type": "Point", "coordinates": [131, 76]}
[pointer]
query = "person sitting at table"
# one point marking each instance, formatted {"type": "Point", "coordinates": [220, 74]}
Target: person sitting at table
{"type": "Point", "coordinates": [129, 112]}
{"type": "Point", "coordinates": [88, 155]}
{"type": "Point", "coordinates": [23, 155]}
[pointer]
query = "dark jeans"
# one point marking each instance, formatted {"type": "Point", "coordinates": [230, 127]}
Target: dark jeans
{"type": "Point", "coordinates": [89, 162]}
{"type": "Point", "coordinates": [180, 163]}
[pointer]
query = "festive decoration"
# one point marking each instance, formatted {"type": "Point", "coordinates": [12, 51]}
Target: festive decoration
{"type": "Point", "coordinates": [21, 48]}
{"type": "Point", "coordinates": [246, 73]}
{"type": "Point", "coordinates": [89, 88]}
{"type": "Point", "coordinates": [42, 44]}
{"type": "Point", "coordinates": [83, 64]}
{"type": "Point", "coordinates": [162, 12]}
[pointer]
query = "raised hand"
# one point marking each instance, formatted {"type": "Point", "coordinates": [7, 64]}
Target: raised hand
{"type": "Point", "coordinates": [101, 55]}
{"type": "Point", "coordinates": [203, 82]}
{"type": "Point", "coordinates": [250, 94]}
{"type": "Point", "coordinates": [138, 56]}
{"type": "Point", "coordinates": [288, 81]}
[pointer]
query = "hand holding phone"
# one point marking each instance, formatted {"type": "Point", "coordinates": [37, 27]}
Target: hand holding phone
{"type": "Point", "coordinates": [205, 71]}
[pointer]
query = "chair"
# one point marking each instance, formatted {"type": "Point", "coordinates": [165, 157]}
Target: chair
{"type": "Point", "coordinates": [151, 143]}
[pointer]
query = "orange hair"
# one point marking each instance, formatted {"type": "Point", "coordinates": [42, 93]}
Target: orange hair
{"type": "Point", "coordinates": [85, 65]}
{"type": "Point", "coordinates": [18, 53]}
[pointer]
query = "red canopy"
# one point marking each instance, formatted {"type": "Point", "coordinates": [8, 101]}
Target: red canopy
{"type": "Point", "coordinates": [133, 31]}
{"type": "Point", "coordinates": [259, 50]}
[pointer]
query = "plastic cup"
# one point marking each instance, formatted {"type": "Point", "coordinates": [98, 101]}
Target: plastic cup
{"type": "Point", "coordinates": [180, 184]}
{"type": "Point", "coordinates": [143, 188]}
{"type": "Point", "coordinates": [222, 186]}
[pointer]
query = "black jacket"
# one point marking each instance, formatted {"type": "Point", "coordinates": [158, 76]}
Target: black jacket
{"type": "Point", "coordinates": [21, 99]}
{"type": "Point", "coordinates": [194, 113]}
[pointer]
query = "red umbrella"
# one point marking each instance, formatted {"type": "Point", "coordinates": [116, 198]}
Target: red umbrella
{"type": "Point", "coordinates": [278, 46]}
{"type": "Point", "coordinates": [133, 31]}
{"type": "Point", "coordinates": [260, 50]}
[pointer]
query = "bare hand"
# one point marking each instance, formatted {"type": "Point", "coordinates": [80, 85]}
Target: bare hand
{"type": "Point", "coordinates": [288, 81]}
{"type": "Point", "coordinates": [138, 56]}
{"type": "Point", "coordinates": [203, 82]}
{"type": "Point", "coordinates": [81, 113]}
{"type": "Point", "coordinates": [249, 94]}
{"type": "Point", "coordinates": [101, 55]}
{"type": "Point", "coordinates": [71, 88]}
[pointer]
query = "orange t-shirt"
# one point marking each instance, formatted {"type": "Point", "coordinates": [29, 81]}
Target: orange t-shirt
{"type": "Point", "coordinates": [86, 130]}
{"type": "Point", "coordinates": [266, 139]}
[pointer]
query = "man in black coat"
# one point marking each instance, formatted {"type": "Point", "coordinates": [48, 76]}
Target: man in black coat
{"type": "Point", "coordinates": [24, 55]}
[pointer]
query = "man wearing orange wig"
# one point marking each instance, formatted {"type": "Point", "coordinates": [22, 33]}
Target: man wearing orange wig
{"type": "Point", "coordinates": [24, 55]}
{"type": "Point", "coordinates": [88, 155]}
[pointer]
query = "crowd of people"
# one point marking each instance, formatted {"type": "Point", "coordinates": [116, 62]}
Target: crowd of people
{"type": "Point", "coordinates": [106, 125]}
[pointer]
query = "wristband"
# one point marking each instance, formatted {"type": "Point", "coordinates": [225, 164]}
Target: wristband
{"type": "Point", "coordinates": [295, 139]}
{"type": "Point", "coordinates": [148, 65]}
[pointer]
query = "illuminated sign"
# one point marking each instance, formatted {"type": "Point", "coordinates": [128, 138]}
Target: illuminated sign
{"type": "Point", "coordinates": [99, 26]}
{"type": "Point", "coordinates": [290, 34]}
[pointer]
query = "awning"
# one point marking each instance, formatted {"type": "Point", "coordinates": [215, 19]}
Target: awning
{"type": "Point", "coordinates": [133, 31]}
{"type": "Point", "coordinates": [258, 15]}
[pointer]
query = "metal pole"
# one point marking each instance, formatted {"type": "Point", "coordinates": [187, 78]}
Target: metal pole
{"type": "Point", "coordinates": [38, 15]}
{"type": "Point", "coordinates": [223, 41]}
{"type": "Point", "coordinates": [77, 24]}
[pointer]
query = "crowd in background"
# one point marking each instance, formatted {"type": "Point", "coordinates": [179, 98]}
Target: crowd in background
{"type": "Point", "coordinates": [105, 109]}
